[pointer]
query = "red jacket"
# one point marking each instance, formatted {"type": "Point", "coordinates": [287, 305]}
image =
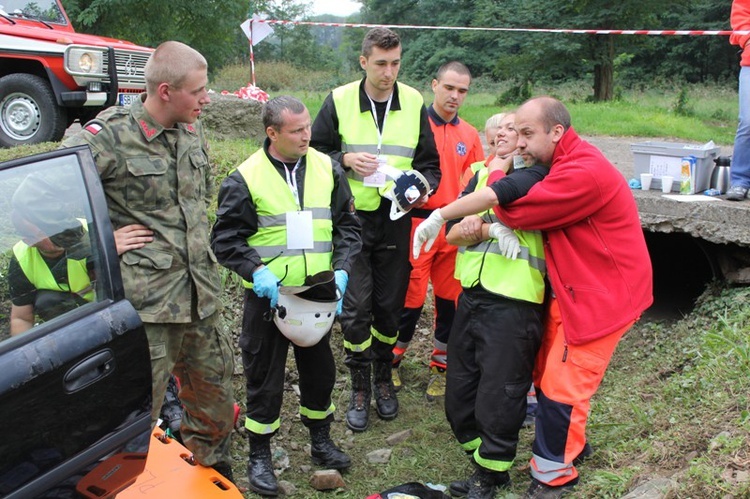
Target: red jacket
{"type": "Point", "coordinates": [740, 20]}
{"type": "Point", "coordinates": [597, 261]}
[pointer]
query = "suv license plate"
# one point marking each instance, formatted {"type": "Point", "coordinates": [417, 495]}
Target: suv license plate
{"type": "Point", "coordinates": [126, 99]}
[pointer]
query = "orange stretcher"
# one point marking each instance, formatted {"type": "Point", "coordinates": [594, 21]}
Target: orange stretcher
{"type": "Point", "coordinates": [169, 473]}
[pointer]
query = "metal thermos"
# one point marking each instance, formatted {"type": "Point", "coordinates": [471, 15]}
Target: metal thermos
{"type": "Point", "coordinates": [720, 174]}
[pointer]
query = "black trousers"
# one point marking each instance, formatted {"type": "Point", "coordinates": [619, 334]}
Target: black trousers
{"type": "Point", "coordinates": [264, 353]}
{"type": "Point", "coordinates": [377, 288]}
{"type": "Point", "coordinates": [492, 346]}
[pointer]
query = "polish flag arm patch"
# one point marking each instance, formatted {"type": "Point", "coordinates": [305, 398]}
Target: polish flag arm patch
{"type": "Point", "coordinates": [93, 128]}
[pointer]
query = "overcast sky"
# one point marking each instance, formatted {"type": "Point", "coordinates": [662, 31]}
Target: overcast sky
{"type": "Point", "coordinates": [337, 7]}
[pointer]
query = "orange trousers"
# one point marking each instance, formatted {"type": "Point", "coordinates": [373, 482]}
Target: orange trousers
{"type": "Point", "coordinates": [437, 265]}
{"type": "Point", "coordinates": [566, 377]}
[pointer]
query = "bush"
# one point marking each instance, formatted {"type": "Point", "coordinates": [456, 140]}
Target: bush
{"type": "Point", "coordinates": [515, 95]}
{"type": "Point", "coordinates": [681, 106]}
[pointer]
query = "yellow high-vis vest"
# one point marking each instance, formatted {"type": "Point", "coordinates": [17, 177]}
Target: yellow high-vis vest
{"type": "Point", "coordinates": [273, 200]}
{"type": "Point", "coordinates": [482, 264]}
{"type": "Point", "coordinates": [38, 273]}
{"type": "Point", "coordinates": [359, 133]}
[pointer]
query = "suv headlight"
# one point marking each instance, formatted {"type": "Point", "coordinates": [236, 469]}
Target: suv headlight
{"type": "Point", "coordinates": [84, 61]}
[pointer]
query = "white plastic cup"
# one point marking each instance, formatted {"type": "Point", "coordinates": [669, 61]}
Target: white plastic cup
{"type": "Point", "coordinates": [646, 181]}
{"type": "Point", "coordinates": [666, 183]}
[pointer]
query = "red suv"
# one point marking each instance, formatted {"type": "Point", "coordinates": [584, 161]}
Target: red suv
{"type": "Point", "coordinates": [50, 75]}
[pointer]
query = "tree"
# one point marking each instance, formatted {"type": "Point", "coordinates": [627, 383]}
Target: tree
{"type": "Point", "coordinates": [690, 59]}
{"type": "Point", "coordinates": [149, 23]}
{"type": "Point", "coordinates": [597, 56]}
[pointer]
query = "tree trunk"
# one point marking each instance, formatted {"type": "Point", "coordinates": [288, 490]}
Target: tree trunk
{"type": "Point", "coordinates": [604, 82]}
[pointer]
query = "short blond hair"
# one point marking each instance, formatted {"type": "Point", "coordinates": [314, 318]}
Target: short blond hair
{"type": "Point", "coordinates": [494, 121]}
{"type": "Point", "coordinates": [171, 63]}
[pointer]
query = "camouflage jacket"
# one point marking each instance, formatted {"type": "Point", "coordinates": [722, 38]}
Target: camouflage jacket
{"type": "Point", "coordinates": [160, 178]}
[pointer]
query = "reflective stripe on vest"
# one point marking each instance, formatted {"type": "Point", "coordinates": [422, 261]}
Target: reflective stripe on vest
{"type": "Point", "coordinates": [273, 199]}
{"type": "Point", "coordinates": [482, 263]}
{"type": "Point", "coordinates": [38, 273]}
{"type": "Point", "coordinates": [359, 134]}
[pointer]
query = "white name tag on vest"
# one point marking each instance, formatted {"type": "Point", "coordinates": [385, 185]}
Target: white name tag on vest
{"type": "Point", "coordinates": [299, 230]}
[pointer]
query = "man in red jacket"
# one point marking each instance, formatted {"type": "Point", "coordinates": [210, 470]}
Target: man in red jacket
{"type": "Point", "coordinates": [459, 146]}
{"type": "Point", "coordinates": [598, 268]}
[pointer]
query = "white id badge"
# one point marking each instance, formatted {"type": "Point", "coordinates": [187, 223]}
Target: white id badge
{"type": "Point", "coordinates": [377, 179]}
{"type": "Point", "coordinates": [299, 230]}
{"type": "Point", "coordinates": [518, 162]}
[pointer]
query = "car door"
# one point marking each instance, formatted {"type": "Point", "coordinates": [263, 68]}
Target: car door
{"type": "Point", "coordinates": [75, 374]}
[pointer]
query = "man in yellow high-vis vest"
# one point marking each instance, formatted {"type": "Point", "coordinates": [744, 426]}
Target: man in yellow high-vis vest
{"type": "Point", "coordinates": [366, 125]}
{"type": "Point", "coordinates": [284, 214]}
{"type": "Point", "coordinates": [45, 277]}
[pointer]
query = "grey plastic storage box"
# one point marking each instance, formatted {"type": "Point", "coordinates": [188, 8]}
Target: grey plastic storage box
{"type": "Point", "coordinates": [665, 158]}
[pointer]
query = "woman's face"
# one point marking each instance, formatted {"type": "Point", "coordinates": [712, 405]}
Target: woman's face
{"type": "Point", "coordinates": [506, 136]}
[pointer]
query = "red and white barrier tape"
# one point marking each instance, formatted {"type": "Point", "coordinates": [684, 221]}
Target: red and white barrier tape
{"type": "Point", "coordinates": [649, 32]}
{"type": "Point", "coordinates": [250, 92]}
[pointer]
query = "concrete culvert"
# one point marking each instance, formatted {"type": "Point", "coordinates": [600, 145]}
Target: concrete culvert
{"type": "Point", "coordinates": [683, 267]}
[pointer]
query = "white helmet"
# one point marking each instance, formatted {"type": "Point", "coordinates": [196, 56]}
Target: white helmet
{"type": "Point", "coordinates": [407, 190]}
{"type": "Point", "coordinates": [305, 314]}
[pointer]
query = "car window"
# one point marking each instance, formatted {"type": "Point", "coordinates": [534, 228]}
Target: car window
{"type": "Point", "coordinates": [48, 263]}
{"type": "Point", "coordinates": [75, 388]}
{"type": "Point", "coordinates": [45, 10]}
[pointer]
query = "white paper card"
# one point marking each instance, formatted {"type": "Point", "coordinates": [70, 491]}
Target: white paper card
{"type": "Point", "coordinates": [691, 198]}
{"type": "Point", "coordinates": [665, 165]}
{"type": "Point", "coordinates": [377, 179]}
{"type": "Point", "coordinates": [299, 230]}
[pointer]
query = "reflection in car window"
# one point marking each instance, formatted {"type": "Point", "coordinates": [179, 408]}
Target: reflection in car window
{"type": "Point", "coordinates": [47, 264]}
{"type": "Point", "coordinates": [45, 10]}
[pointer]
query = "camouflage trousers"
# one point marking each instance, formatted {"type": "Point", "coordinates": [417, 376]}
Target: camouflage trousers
{"type": "Point", "coordinates": [202, 358]}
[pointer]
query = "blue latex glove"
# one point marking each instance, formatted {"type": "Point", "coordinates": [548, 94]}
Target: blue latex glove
{"type": "Point", "coordinates": [342, 279]}
{"type": "Point", "coordinates": [266, 285]}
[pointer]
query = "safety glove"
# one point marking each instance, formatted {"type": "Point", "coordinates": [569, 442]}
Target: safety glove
{"type": "Point", "coordinates": [266, 284]}
{"type": "Point", "coordinates": [506, 240]}
{"type": "Point", "coordinates": [342, 279]}
{"type": "Point", "coordinates": [427, 232]}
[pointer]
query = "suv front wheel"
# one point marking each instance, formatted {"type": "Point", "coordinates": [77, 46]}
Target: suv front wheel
{"type": "Point", "coordinates": [29, 113]}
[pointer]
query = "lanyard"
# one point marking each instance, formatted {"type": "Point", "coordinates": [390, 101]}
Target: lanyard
{"type": "Point", "coordinates": [291, 181]}
{"type": "Point", "coordinates": [375, 117]}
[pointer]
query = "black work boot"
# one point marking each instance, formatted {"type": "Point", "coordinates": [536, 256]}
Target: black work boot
{"type": "Point", "coordinates": [260, 467]}
{"type": "Point", "coordinates": [358, 413]}
{"type": "Point", "coordinates": [483, 483]}
{"type": "Point", "coordinates": [324, 452]}
{"type": "Point", "coordinates": [385, 395]}
{"type": "Point", "coordinates": [459, 488]}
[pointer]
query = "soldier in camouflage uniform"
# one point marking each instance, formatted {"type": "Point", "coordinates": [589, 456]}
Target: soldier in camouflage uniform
{"type": "Point", "coordinates": [152, 160]}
